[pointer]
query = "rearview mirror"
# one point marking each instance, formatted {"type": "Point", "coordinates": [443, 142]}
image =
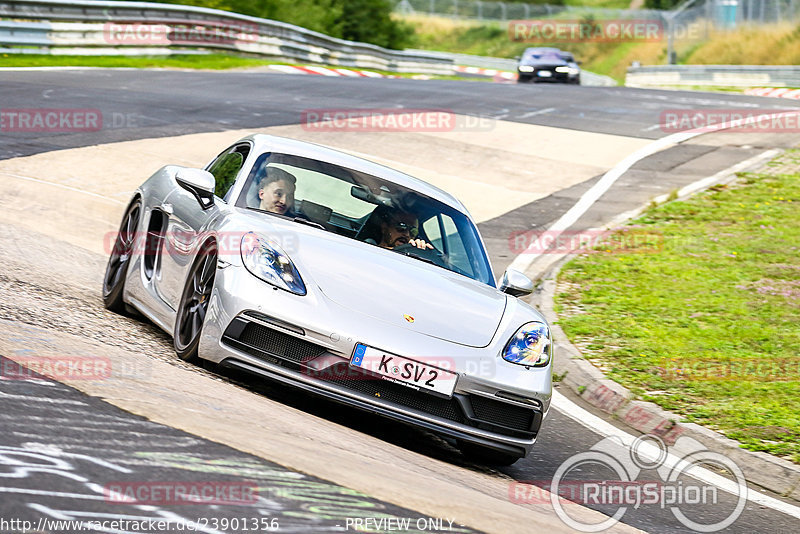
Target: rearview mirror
{"type": "Point", "coordinates": [515, 283]}
{"type": "Point", "coordinates": [198, 182]}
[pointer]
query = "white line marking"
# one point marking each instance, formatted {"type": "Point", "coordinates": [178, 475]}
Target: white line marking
{"type": "Point", "coordinates": [62, 186]}
{"type": "Point", "coordinates": [604, 428]}
{"type": "Point", "coordinates": [699, 185]}
{"type": "Point", "coordinates": [46, 493]}
{"type": "Point", "coordinates": [537, 112]}
{"type": "Point", "coordinates": [28, 398]}
{"type": "Point", "coordinates": [591, 421]}
{"type": "Point", "coordinates": [523, 261]}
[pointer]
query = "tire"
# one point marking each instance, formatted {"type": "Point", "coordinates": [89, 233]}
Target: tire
{"type": "Point", "coordinates": [194, 303]}
{"type": "Point", "coordinates": [120, 259]}
{"type": "Point", "coordinates": [523, 79]}
{"type": "Point", "coordinates": [485, 455]}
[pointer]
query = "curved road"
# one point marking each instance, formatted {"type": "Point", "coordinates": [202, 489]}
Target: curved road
{"type": "Point", "coordinates": [147, 104]}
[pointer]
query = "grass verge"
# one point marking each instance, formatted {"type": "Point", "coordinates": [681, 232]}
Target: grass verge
{"type": "Point", "coordinates": [187, 61]}
{"type": "Point", "coordinates": [777, 44]}
{"type": "Point", "coordinates": [178, 61]}
{"type": "Point", "coordinates": [707, 323]}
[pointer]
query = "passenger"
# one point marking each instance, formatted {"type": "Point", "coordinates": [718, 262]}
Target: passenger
{"type": "Point", "coordinates": [276, 191]}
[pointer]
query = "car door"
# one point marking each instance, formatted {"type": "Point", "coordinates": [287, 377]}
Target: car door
{"type": "Point", "coordinates": [188, 220]}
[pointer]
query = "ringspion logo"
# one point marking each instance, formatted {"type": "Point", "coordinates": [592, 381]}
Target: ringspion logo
{"type": "Point", "coordinates": [675, 490]}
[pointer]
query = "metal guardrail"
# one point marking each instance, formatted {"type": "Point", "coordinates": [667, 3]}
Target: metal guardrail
{"type": "Point", "coordinates": [91, 27]}
{"type": "Point", "coordinates": [714, 76]}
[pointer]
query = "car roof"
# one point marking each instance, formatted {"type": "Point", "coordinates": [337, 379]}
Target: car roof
{"type": "Point", "coordinates": [272, 143]}
{"type": "Point", "coordinates": [544, 49]}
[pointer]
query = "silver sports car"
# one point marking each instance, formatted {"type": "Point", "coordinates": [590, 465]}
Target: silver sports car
{"type": "Point", "coordinates": [347, 279]}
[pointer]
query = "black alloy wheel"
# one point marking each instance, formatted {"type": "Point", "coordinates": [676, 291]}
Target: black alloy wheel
{"type": "Point", "coordinates": [194, 302]}
{"type": "Point", "coordinates": [120, 259]}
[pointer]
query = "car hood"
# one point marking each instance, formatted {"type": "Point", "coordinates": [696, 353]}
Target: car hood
{"type": "Point", "coordinates": [395, 289]}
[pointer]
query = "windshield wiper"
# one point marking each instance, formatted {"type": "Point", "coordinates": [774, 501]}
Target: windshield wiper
{"type": "Point", "coordinates": [309, 223]}
{"type": "Point", "coordinates": [418, 257]}
{"type": "Point", "coordinates": [300, 220]}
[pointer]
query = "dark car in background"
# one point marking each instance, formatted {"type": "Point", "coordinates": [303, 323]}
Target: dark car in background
{"type": "Point", "coordinates": [548, 65]}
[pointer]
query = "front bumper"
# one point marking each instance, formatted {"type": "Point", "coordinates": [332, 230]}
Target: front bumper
{"type": "Point", "coordinates": [548, 74]}
{"type": "Point", "coordinates": [248, 334]}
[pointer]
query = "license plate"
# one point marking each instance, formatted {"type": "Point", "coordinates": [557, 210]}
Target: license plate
{"type": "Point", "coordinates": [544, 73]}
{"type": "Point", "coordinates": [404, 370]}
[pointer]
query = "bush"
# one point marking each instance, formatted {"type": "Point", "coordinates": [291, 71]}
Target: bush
{"type": "Point", "coordinates": [367, 21]}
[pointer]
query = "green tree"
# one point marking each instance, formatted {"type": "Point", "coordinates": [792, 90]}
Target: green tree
{"type": "Point", "coordinates": [370, 21]}
{"type": "Point", "coordinates": [662, 4]}
{"type": "Point", "coordinates": [366, 21]}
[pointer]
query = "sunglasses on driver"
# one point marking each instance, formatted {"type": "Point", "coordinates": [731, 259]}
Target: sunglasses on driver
{"type": "Point", "coordinates": [413, 231]}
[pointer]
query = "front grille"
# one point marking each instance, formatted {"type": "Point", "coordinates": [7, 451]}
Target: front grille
{"type": "Point", "coordinates": [392, 392]}
{"type": "Point", "coordinates": [501, 413]}
{"type": "Point", "coordinates": [270, 345]}
{"type": "Point", "coordinates": [278, 348]}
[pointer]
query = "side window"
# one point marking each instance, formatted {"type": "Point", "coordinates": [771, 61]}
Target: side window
{"type": "Point", "coordinates": [455, 245]}
{"type": "Point", "coordinates": [226, 167]}
{"type": "Point", "coordinates": [450, 243]}
{"type": "Point", "coordinates": [433, 233]}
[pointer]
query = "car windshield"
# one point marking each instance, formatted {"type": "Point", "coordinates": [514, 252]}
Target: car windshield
{"type": "Point", "coordinates": [364, 207]}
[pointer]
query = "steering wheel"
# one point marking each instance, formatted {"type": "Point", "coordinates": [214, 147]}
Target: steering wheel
{"type": "Point", "coordinates": [430, 254]}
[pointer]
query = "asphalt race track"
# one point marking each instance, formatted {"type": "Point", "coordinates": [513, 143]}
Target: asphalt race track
{"type": "Point", "coordinates": [60, 448]}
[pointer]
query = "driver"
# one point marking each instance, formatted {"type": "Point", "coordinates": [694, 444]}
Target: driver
{"type": "Point", "coordinates": [400, 228]}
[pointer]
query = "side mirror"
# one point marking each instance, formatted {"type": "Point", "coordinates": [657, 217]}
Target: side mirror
{"type": "Point", "coordinates": [198, 182]}
{"type": "Point", "coordinates": [516, 284]}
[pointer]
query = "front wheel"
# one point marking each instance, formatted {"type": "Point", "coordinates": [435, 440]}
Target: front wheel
{"type": "Point", "coordinates": [194, 303]}
{"type": "Point", "coordinates": [120, 259]}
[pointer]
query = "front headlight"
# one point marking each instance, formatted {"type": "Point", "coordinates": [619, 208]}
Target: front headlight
{"type": "Point", "coordinates": [531, 346]}
{"type": "Point", "coordinates": [265, 259]}
{"type": "Point", "coordinates": [562, 69]}
{"type": "Point", "coordinates": [525, 68]}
